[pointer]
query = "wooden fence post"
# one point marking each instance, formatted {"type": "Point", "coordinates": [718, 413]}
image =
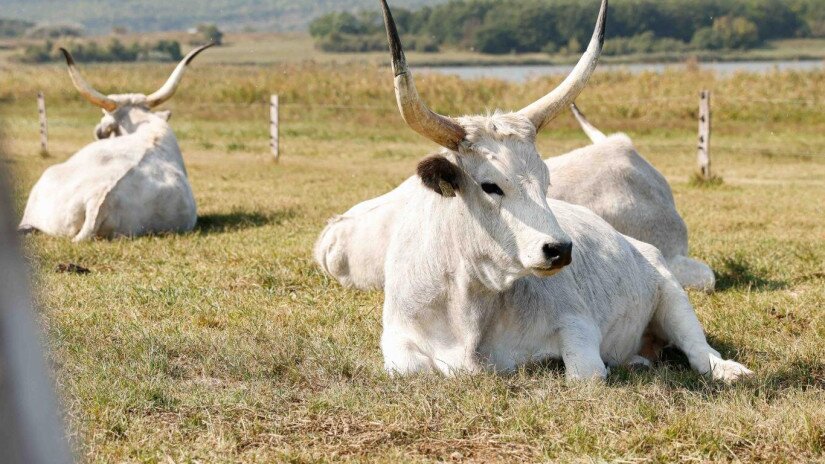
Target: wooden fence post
{"type": "Point", "coordinates": [274, 127]}
{"type": "Point", "coordinates": [704, 135]}
{"type": "Point", "coordinates": [44, 126]}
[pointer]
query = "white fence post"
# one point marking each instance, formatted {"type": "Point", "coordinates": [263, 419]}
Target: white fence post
{"type": "Point", "coordinates": [704, 135]}
{"type": "Point", "coordinates": [44, 126]}
{"type": "Point", "coordinates": [273, 127]}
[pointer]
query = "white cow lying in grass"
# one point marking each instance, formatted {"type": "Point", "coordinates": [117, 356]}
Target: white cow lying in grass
{"type": "Point", "coordinates": [482, 272]}
{"type": "Point", "coordinates": [609, 177]}
{"type": "Point", "coordinates": [129, 182]}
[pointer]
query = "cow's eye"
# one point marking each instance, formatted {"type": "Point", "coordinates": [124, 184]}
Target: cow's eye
{"type": "Point", "coordinates": [491, 189]}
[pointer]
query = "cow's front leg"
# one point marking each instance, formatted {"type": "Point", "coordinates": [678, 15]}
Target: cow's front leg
{"type": "Point", "coordinates": [579, 342]}
{"type": "Point", "coordinates": [457, 359]}
{"type": "Point", "coordinates": [677, 322]}
{"type": "Point", "coordinates": [403, 353]}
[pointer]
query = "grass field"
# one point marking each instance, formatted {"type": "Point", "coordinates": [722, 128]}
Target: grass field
{"type": "Point", "coordinates": [228, 344]}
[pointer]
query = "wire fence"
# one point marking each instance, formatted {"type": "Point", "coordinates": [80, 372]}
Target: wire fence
{"type": "Point", "coordinates": [720, 99]}
{"type": "Point", "coordinates": [635, 101]}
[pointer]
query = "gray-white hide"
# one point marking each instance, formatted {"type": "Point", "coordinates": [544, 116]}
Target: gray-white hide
{"type": "Point", "coordinates": [131, 185]}
{"type": "Point", "coordinates": [130, 182]}
{"type": "Point", "coordinates": [353, 246]}
{"type": "Point", "coordinates": [458, 299]}
{"type": "Point", "coordinates": [611, 179]}
{"type": "Point", "coordinates": [608, 177]}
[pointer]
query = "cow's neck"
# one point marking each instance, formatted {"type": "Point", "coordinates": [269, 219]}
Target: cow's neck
{"type": "Point", "coordinates": [460, 260]}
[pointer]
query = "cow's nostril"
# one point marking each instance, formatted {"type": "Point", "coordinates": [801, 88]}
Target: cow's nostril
{"type": "Point", "coordinates": [551, 252]}
{"type": "Point", "coordinates": [558, 254]}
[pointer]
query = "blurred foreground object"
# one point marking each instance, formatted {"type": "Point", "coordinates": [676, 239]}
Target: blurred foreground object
{"type": "Point", "coordinates": [31, 431]}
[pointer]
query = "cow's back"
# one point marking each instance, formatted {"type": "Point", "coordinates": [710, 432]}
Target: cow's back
{"type": "Point", "coordinates": [615, 182]}
{"type": "Point", "coordinates": [353, 246]}
{"type": "Point", "coordinates": [59, 202]}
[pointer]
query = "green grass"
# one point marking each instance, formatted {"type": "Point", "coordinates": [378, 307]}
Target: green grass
{"type": "Point", "coordinates": [228, 344]}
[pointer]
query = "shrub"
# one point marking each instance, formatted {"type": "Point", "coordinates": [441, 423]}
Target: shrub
{"type": "Point", "coordinates": [420, 43]}
{"type": "Point", "coordinates": [37, 53]}
{"type": "Point", "coordinates": [550, 48]}
{"type": "Point", "coordinates": [168, 48]}
{"type": "Point", "coordinates": [338, 23]}
{"type": "Point", "coordinates": [208, 33]}
{"type": "Point", "coordinates": [494, 38]}
{"type": "Point", "coordinates": [736, 32]}
{"type": "Point", "coordinates": [729, 33]}
{"type": "Point", "coordinates": [706, 39]}
{"type": "Point", "coordinates": [643, 43]}
{"type": "Point", "coordinates": [352, 43]}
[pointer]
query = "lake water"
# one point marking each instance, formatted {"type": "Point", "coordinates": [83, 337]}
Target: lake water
{"type": "Point", "coordinates": [523, 73]}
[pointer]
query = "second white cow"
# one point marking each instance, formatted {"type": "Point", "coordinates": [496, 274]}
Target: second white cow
{"type": "Point", "coordinates": [130, 182]}
{"type": "Point", "coordinates": [613, 180]}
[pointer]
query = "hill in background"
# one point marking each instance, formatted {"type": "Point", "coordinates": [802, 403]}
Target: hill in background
{"type": "Point", "coordinates": [100, 16]}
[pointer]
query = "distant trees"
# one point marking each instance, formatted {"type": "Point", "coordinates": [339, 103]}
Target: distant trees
{"type": "Point", "coordinates": [10, 28]}
{"type": "Point", "coordinates": [727, 33]}
{"type": "Point", "coordinates": [207, 33]}
{"type": "Point", "coordinates": [54, 31]}
{"type": "Point", "coordinates": [114, 51]}
{"type": "Point", "coordinates": [813, 15]}
{"type": "Point", "coordinates": [14, 28]}
{"type": "Point", "coordinates": [635, 26]}
{"type": "Point", "coordinates": [345, 32]}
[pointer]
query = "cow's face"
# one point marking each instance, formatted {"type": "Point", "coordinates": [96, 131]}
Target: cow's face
{"type": "Point", "coordinates": [123, 114]}
{"type": "Point", "coordinates": [131, 112]}
{"type": "Point", "coordinates": [492, 165]}
{"type": "Point", "coordinates": [501, 183]}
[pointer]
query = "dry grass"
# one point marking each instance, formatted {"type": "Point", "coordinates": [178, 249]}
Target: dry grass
{"type": "Point", "coordinates": [227, 344]}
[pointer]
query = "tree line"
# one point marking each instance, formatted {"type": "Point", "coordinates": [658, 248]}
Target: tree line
{"type": "Point", "coordinates": [14, 27]}
{"type": "Point", "coordinates": [113, 51]}
{"type": "Point", "coordinates": [554, 26]}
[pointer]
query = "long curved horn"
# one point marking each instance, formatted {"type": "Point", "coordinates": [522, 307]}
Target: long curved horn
{"type": "Point", "coordinates": [440, 129]}
{"type": "Point", "coordinates": [165, 93]}
{"type": "Point", "coordinates": [595, 135]}
{"type": "Point", "coordinates": [87, 91]}
{"type": "Point", "coordinates": [543, 111]}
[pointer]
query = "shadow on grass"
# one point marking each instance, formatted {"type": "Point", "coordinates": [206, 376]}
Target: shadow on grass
{"type": "Point", "coordinates": [800, 373]}
{"type": "Point", "coordinates": [220, 223]}
{"type": "Point", "coordinates": [738, 273]}
{"type": "Point", "coordinates": [673, 369]}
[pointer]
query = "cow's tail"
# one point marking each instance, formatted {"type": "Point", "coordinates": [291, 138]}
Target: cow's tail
{"type": "Point", "coordinates": [96, 213]}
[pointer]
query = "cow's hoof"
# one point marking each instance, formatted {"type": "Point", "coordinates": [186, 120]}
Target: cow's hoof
{"type": "Point", "coordinates": [26, 230]}
{"type": "Point", "coordinates": [639, 363]}
{"type": "Point", "coordinates": [726, 370]}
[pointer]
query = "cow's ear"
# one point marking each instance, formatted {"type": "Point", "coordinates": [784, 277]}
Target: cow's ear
{"type": "Point", "coordinates": [440, 175]}
{"type": "Point", "coordinates": [166, 115]}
